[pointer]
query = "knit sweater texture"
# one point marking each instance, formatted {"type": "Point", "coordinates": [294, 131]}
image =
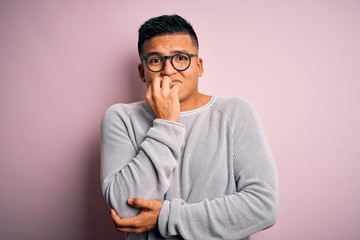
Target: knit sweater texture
{"type": "Point", "coordinates": [213, 170]}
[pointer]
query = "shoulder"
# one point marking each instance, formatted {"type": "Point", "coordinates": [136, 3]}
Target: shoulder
{"type": "Point", "coordinates": [234, 107]}
{"type": "Point", "coordinates": [125, 110]}
{"type": "Point", "coordinates": [241, 115]}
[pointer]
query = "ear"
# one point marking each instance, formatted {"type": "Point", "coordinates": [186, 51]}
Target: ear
{"type": "Point", "coordinates": [141, 72]}
{"type": "Point", "coordinates": [200, 66]}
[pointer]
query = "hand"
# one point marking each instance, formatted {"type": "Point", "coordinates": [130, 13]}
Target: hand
{"type": "Point", "coordinates": [162, 96]}
{"type": "Point", "coordinates": [145, 221]}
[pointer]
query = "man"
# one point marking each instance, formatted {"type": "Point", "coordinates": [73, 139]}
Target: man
{"type": "Point", "coordinates": [182, 164]}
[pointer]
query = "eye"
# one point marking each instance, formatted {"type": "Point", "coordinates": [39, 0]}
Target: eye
{"type": "Point", "coordinates": [154, 60]}
{"type": "Point", "coordinates": [181, 58]}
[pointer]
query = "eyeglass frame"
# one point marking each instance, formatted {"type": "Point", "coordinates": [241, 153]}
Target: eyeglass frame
{"type": "Point", "coordinates": [164, 57]}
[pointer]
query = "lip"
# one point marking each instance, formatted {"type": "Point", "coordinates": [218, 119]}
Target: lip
{"type": "Point", "coordinates": [176, 80]}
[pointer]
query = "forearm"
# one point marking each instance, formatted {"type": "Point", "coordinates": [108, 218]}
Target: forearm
{"type": "Point", "coordinates": [140, 178]}
{"type": "Point", "coordinates": [234, 216]}
{"type": "Point", "coordinates": [146, 173]}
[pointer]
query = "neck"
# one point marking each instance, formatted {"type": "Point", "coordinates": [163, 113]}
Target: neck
{"type": "Point", "coordinates": [196, 101]}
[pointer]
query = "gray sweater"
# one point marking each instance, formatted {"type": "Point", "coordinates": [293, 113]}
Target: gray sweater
{"type": "Point", "coordinates": [213, 171]}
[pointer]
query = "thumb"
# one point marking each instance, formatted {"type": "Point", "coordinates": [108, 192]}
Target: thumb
{"type": "Point", "coordinates": [137, 202]}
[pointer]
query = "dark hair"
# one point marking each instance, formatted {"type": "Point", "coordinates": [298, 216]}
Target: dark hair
{"type": "Point", "coordinates": [165, 25]}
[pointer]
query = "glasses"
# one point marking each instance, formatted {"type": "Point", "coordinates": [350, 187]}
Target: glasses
{"type": "Point", "coordinates": [155, 62]}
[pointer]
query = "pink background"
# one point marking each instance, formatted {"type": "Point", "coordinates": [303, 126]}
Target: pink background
{"type": "Point", "coordinates": [62, 63]}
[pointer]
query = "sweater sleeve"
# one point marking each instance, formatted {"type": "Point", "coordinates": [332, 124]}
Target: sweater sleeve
{"type": "Point", "coordinates": [128, 172]}
{"type": "Point", "coordinates": [251, 208]}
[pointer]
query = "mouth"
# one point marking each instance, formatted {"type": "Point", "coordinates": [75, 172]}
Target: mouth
{"type": "Point", "coordinates": [173, 82]}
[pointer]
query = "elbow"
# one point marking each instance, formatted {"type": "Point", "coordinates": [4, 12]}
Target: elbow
{"type": "Point", "coordinates": [270, 212]}
{"type": "Point", "coordinates": [271, 205]}
{"type": "Point", "coordinates": [106, 193]}
{"type": "Point", "coordinates": [266, 217]}
{"type": "Point", "coordinates": [117, 201]}
{"type": "Point", "coordinates": [265, 208]}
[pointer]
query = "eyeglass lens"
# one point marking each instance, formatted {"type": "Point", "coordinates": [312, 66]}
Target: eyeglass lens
{"type": "Point", "coordinates": [156, 62]}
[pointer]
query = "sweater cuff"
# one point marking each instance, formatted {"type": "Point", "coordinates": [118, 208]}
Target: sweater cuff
{"type": "Point", "coordinates": [169, 221]}
{"type": "Point", "coordinates": [164, 218]}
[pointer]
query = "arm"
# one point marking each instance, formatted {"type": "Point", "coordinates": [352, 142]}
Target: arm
{"type": "Point", "coordinates": [251, 208]}
{"type": "Point", "coordinates": [128, 173]}
{"type": "Point", "coordinates": [145, 172]}
{"type": "Point", "coordinates": [145, 221]}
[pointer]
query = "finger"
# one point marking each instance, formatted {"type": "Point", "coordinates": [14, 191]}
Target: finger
{"type": "Point", "coordinates": [115, 217]}
{"type": "Point", "coordinates": [156, 84]}
{"type": "Point", "coordinates": [138, 223]}
{"type": "Point", "coordinates": [120, 223]}
{"type": "Point", "coordinates": [176, 88]}
{"type": "Point", "coordinates": [166, 83]}
{"type": "Point", "coordinates": [131, 222]}
{"type": "Point", "coordinates": [138, 203]}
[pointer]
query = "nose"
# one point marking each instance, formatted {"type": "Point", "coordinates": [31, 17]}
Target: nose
{"type": "Point", "coordinates": [168, 68]}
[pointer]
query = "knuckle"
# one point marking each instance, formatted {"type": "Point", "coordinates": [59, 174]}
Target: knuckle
{"type": "Point", "coordinates": [137, 201]}
{"type": "Point", "coordinates": [163, 94]}
{"type": "Point", "coordinates": [154, 95]}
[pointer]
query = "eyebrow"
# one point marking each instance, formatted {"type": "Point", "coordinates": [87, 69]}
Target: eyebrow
{"type": "Point", "coordinates": [172, 52]}
{"type": "Point", "coordinates": [179, 51]}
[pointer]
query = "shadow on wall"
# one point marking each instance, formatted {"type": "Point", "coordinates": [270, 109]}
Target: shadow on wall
{"type": "Point", "coordinates": [98, 223]}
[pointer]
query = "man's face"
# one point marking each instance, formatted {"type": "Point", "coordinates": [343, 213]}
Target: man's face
{"type": "Point", "coordinates": [169, 45]}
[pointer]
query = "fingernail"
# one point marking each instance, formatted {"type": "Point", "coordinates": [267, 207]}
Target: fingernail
{"type": "Point", "coordinates": [130, 200]}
